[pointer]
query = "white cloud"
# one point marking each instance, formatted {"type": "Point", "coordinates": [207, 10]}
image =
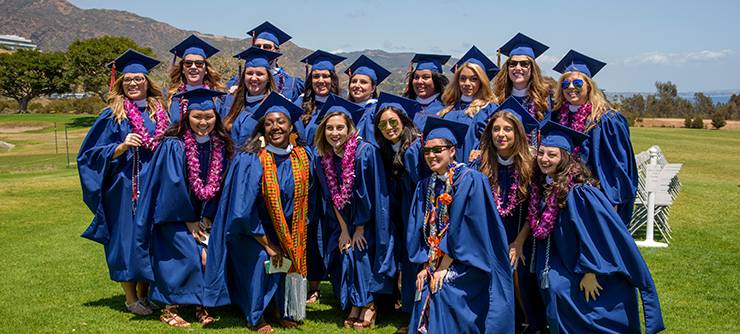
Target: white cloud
{"type": "Point", "coordinates": [668, 58]}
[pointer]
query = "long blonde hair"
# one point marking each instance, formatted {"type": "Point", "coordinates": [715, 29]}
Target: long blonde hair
{"type": "Point", "coordinates": [212, 78]}
{"type": "Point", "coordinates": [538, 93]}
{"type": "Point", "coordinates": [452, 92]}
{"type": "Point", "coordinates": [116, 97]}
{"type": "Point", "coordinates": [599, 104]}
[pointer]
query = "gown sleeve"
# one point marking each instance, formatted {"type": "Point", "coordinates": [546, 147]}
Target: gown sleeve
{"type": "Point", "coordinates": [613, 159]}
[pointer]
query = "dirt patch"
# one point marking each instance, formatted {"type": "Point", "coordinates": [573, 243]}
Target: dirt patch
{"type": "Point", "coordinates": [20, 128]}
{"type": "Point", "coordinates": [678, 123]}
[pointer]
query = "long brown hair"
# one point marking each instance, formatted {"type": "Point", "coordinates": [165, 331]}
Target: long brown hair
{"type": "Point", "coordinates": [452, 92]}
{"type": "Point", "coordinates": [568, 170]}
{"type": "Point", "coordinates": [322, 145]}
{"type": "Point", "coordinates": [522, 155]}
{"type": "Point", "coordinates": [599, 104]}
{"type": "Point", "coordinates": [538, 91]}
{"type": "Point", "coordinates": [309, 96]}
{"type": "Point", "coordinates": [178, 130]}
{"type": "Point", "coordinates": [240, 97]}
{"type": "Point", "coordinates": [116, 97]}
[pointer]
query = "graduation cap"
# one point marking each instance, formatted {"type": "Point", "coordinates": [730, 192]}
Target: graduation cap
{"type": "Point", "coordinates": [576, 61]}
{"type": "Point", "coordinates": [407, 106]}
{"type": "Point", "coordinates": [439, 128]}
{"type": "Point", "coordinates": [132, 61]}
{"type": "Point", "coordinates": [256, 57]}
{"type": "Point", "coordinates": [335, 103]}
{"type": "Point", "coordinates": [200, 98]}
{"type": "Point", "coordinates": [194, 46]}
{"type": "Point", "coordinates": [277, 103]}
{"type": "Point", "coordinates": [522, 114]}
{"type": "Point", "coordinates": [366, 66]}
{"type": "Point", "coordinates": [430, 62]}
{"type": "Point", "coordinates": [477, 57]}
{"type": "Point", "coordinates": [322, 60]}
{"type": "Point", "coordinates": [269, 32]}
{"type": "Point", "coordinates": [556, 135]}
{"type": "Point", "coordinates": [522, 45]}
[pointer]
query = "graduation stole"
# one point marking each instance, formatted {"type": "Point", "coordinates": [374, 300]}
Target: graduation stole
{"type": "Point", "coordinates": [292, 240]}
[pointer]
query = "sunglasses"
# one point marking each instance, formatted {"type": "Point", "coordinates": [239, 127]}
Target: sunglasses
{"type": "Point", "coordinates": [197, 63]}
{"type": "Point", "coordinates": [577, 83]}
{"type": "Point", "coordinates": [435, 149]}
{"type": "Point", "coordinates": [522, 63]}
{"type": "Point", "coordinates": [265, 46]}
{"type": "Point", "coordinates": [389, 124]}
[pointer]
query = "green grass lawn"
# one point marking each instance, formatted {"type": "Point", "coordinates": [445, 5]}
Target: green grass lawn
{"type": "Point", "coordinates": [55, 281]}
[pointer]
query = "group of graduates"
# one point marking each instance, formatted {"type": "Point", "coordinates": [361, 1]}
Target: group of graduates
{"type": "Point", "coordinates": [476, 206]}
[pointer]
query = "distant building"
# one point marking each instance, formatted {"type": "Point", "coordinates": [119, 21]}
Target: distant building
{"type": "Point", "coordinates": [14, 42]}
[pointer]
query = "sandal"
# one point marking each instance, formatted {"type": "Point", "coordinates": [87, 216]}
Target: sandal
{"type": "Point", "coordinates": [313, 297]}
{"type": "Point", "coordinates": [287, 323]}
{"type": "Point", "coordinates": [262, 328]}
{"type": "Point", "coordinates": [203, 317]}
{"type": "Point", "coordinates": [170, 317]}
{"type": "Point", "coordinates": [365, 324]}
{"type": "Point", "coordinates": [138, 308]}
{"type": "Point", "coordinates": [148, 303]}
{"type": "Point", "coordinates": [351, 320]}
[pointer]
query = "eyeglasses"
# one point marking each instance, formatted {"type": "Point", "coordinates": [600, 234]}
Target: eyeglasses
{"type": "Point", "coordinates": [265, 46]}
{"type": "Point", "coordinates": [522, 63]}
{"type": "Point", "coordinates": [197, 63]}
{"type": "Point", "coordinates": [388, 124]}
{"type": "Point", "coordinates": [577, 83]}
{"type": "Point", "coordinates": [435, 149]}
{"type": "Point", "coordinates": [136, 80]}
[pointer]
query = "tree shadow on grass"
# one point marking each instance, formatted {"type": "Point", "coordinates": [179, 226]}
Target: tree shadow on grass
{"type": "Point", "coordinates": [82, 122]}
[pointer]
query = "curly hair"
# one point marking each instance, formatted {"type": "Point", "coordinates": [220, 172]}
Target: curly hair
{"type": "Point", "coordinates": [568, 172]}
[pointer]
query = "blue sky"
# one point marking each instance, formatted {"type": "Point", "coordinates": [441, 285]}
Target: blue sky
{"type": "Point", "coordinates": [695, 44]}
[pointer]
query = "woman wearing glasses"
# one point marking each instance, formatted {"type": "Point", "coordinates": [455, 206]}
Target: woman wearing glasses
{"type": "Point", "coordinates": [456, 237]}
{"type": "Point", "coordinates": [191, 72]}
{"type": "Point", "coordinates": [521, 78]}
{"type": "Point", "coordinates": [580, 105]}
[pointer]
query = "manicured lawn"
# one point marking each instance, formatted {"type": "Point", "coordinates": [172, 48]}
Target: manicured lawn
{"type": "Point", "coordinates": [55, 281]}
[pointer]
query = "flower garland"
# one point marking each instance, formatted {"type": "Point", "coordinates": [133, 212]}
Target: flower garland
{"type": "Point", "coordinates": [292, 237]}
{"type": "Point", "coordinates": [340, 195]}
{"type": "Point", "coordinates": [137, 124]}
{"type": "Point", "coordinates": [215, 167]}
{"type": "Point", "coordinates": [577, 121]}
{"type": "Point", "coordinates": [542, 227]}
{"type": "Point", "coordinates": [511, 199]}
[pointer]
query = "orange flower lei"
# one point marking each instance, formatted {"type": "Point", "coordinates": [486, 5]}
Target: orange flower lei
{"type": "Point", "coordinates": [292, 241]}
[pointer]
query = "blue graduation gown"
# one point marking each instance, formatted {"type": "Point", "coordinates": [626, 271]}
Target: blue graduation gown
{"type": "Point", "coordinates": [289, 86]}
{"type": "Point", "coordinates": [477, 296]}
{"type": "Point", "coordinates": [235, 269]}
{"type": "Point", "coordinates": [608, 153]}
{"type": "Point", "coordinates": [355, 275]}
{"type": "Point", "coordinates": [476, 125]}
{"type": "Point", "coordinates": [589, 237]}
{"type": "Point", "coordinates": [431, 109]}
{"type": "Point", "coordinates": [107, 189]}
{"type": "Point", "coordinates": [174, 110]}
{"type": "Point", "coordinates": [401, 188]}
{"type": "Point", "coordinates": [244, 125]}
{"type": "Point", "coordinates": [166, 250]}
{"type": "Point", "coordinates": [308, 131]}
{"type": "Point", "coordinates": [366, 124]}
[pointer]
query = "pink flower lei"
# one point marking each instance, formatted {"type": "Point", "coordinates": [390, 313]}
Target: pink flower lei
{"type": "Point", "coordinates": [215, 167]}
{"type": "Point", "coordinates": [542, 227]}
{"type": "Point", "coordinates": [577, 121]}
{"type": "Point", "coordinates": [511, 199]}
{"type": "Point", "coordinates": [340, 196]}
{"type": "Point", "coordinates": [137, 124]}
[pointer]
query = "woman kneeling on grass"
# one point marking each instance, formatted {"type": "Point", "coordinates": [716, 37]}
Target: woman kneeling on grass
{"type": "Point", "coordinates": [178, 206]}
{"type": "Point", "coordinates": [114, 157]}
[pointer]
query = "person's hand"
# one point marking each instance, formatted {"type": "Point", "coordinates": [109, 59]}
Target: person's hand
{"type": "Point", "coordinates": [437, 280]}
{"type": "Point", "coordinates": [474, 154]}
{"type": "Point", "coordinates": [344, 241]}
{"type": "Point", "coordinates": [516, 253]}
{"type": "Point", "coordinates": [232, 89]}
{"type": "Point", "coordinates": [358, 238]}
{"type": "Point", "coordinates": [590, 286]}
{"type": "Point", "coordinates": [194, 229]}
{"type": "Point", "coordinates": [276, 256]}
{"type": "Point", "coordinates": [132, 140]}
{"type": "Point", "coordinates": [420, 278]}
